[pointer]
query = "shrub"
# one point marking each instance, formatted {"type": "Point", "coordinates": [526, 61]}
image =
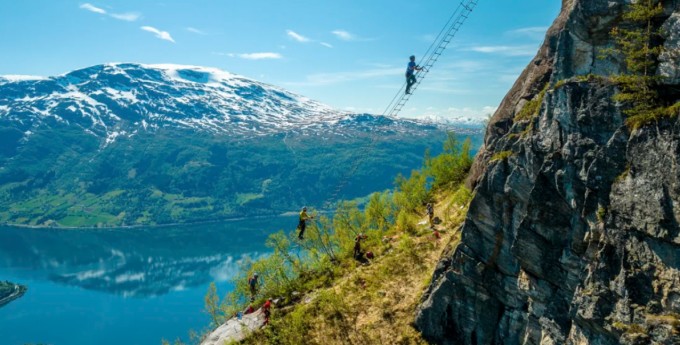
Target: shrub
{"type": "Point", "coordinates": [501, 156]}
{"type": "Point", "coordinates": [380, 211]}
{"type": "Point", "coordinates": [462, 196]}
{"type": "Point", "coordinates": [406, 223]}
{"type": "Point", "coordinates": [531, 108]}
{"type": "Point", "coordinates": [212, 306]}
{"type": "Point", "coordinates": [452, 166]}
{"type": "Point", "coordinates": [601, 213]}
{"type": "Point", "coordinates": [411, 193]}
{"type": "Point", "coordinates": [648, 117]}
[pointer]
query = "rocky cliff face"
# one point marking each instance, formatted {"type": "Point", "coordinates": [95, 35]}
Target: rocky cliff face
{"type": "Point", "coordinates": [572, 236]}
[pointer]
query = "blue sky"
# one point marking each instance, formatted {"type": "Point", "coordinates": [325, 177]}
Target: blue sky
{"type": "Point", "coordinates": [349, 54]}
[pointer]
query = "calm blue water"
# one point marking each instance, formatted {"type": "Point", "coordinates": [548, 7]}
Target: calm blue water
{"type": "Point", "coordinates": [132, 286]}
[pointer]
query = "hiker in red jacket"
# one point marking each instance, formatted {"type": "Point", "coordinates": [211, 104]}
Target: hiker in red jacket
{"type": "Point", "coordinates": [266, 308]}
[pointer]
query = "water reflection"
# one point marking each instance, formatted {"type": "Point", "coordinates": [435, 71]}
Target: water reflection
{"type": "Point", "coordinates": [134, 262]}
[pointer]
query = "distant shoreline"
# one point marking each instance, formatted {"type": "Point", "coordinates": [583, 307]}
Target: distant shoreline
{"type": "Point", "coordinates": [18, 291]}
{"type": "Point", "coordinates": [234, 219]}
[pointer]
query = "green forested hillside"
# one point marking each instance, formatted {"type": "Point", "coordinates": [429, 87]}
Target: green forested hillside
{"type": "Point", "coordinates": [64, 178]}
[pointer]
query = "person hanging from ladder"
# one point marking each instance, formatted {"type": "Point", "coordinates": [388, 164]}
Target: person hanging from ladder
{"type": "Point", "coordinates": [411, 73]}
{"type": "Point", "coordinates": [302, 225]}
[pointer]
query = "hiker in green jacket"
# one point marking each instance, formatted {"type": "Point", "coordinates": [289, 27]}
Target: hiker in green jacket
{"type": "Point", "coordinates": [302, 225]}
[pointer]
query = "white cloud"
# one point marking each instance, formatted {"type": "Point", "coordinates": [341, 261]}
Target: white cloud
{"type": "Point", "coordinates": [523, 50]}
{"type": "Point", "coordinates": [128, 17]}
{"type": "Point", "coordinates": [92, 8]}
{"type": "Point", "coordinates": [460, 115]}
{"type": "Point", "coordinates": [327, 45]}
{"type": "Point", "coordinates": [164, 35]}
{"type": "Point", "coordinates": [428, 38]}
{"type": "Point", "coordinates": [479, 113]}
{"type": "Point", "coordinates": [294, 35]}
{"type": "Point", "coordinates": [260, 56]}
{"type": "Point", "coordinates": [534, 32]}
{"type": "Point", "coordinates": [196, 31]}
{"type": "Point", "coordinates": [343, 77]}
{"type": "Point", "coordinates": [344, 35]}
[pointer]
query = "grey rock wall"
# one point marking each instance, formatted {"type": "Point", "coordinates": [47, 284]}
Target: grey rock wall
{"type": "Point", "coordinates": [573, 239]}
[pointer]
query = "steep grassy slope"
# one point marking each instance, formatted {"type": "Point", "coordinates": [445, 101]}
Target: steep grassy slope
{"type": "Point", "coordinates": [327, 295]}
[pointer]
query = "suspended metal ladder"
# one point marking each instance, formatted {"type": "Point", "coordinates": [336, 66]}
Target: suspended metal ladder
{"type": "Point", "coordinates": [433, 53]}
{"type": "Point", "coordinates": [460, 15]}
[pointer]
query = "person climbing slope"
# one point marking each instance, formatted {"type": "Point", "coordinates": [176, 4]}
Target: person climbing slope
{"type": "Point", "coordinates": [266, 308]}
{"type": "Point", "coordinates": [253, 284]}
{"type": "Point", "coordinates": [411, 69]}
{"type": "Point", "coordinates": [430, 214]}
{"type": "Point", "coordinates": [302, 225]}
{"type": "Point", "coordinates": [357, 245]}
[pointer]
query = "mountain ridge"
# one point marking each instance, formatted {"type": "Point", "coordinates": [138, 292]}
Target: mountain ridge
{"type": "Point", "coordinates": [132, 144]}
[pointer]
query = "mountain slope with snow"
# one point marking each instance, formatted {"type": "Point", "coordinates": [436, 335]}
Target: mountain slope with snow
{"type": "Point", "coordinates": [121, 99]}
{"type": "Point", "coordinates": [126, 144]}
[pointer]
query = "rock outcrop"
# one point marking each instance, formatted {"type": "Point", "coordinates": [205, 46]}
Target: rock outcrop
{"type": "Point", "coordinates": [573, 235]}
{"type": "Point", "coordinates": [235, 329]}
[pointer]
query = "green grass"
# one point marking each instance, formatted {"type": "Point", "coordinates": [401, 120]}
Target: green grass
{"type": "Point", "coordinates": [87, 220]}
{"type": "Point", "coordinates": [560, 83]}
{"type": "Point", "coordinates": [653, 116]}
{"type": "Point", "coordinates": [244, 198]}
{"type": "Point", "coordinates": [501, 156]}
{"type": "Point", "coordinates": [601, 213]}
{"type": "Point", "coordinates": [531, 108]}
{"type": "Point", "coordinates": [632, 328]}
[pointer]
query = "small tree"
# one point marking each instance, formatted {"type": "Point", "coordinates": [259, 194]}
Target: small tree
{"type": "Point", "coordinates": [635, 42]}
{"type": "Point", "coordinates": [380, 211]}
{"type": "Point", "coordinates": [411, 192]}
{"type": "Point", "coordinates": [212, 305]}
{"type": "Point", "coordinates": [450, 167]}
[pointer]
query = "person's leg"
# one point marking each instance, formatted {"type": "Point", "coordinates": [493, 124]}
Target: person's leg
{"type": "Point", "coordinates": [302, 227]}
{"type": "Point", "coordinates": [410, 80]}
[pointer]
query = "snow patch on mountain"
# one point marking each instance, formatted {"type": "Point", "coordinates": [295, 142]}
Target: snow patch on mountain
{"type": "Point", "coordinates": [120, 99]}
{"type": "Point", "coordinates": [18, 78]}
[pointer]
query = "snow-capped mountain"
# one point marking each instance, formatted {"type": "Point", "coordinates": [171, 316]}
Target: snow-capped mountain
{"type": "Point", "coordinates": [121, 99]}
{"type": "Point", "coordinates": [131, 144]}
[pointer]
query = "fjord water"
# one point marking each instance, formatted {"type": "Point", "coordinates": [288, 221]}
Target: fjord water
{"type": "Point", "coordinates": [123, 286]}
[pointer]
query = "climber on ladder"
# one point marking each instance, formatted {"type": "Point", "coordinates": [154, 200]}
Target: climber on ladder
{"type": "Point", "coordinates": [411, 69]}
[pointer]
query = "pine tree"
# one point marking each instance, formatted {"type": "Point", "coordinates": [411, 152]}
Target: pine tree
{"type": "Point", "coordinates": [635, 42]}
